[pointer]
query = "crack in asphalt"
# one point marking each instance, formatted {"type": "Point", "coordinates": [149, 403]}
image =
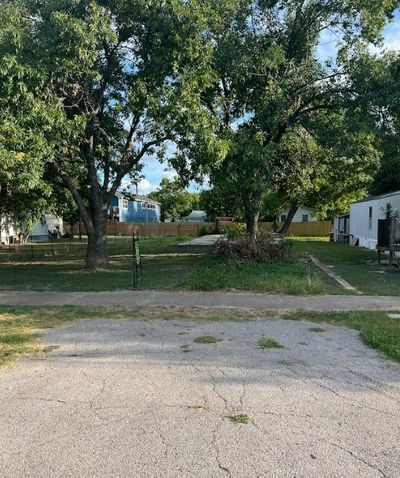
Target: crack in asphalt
{"type": "Point", "coordinates": [313, 405]}
{"type": "Point", "coordinates": [358, 458]}
{"type": "Point", "coordinates": [218, 452]}
{"type": "Point", "coordinates": [239, 382]}
{"type": "Point", "coordinates": [355, 403]}
{"type": "Point", "coordinates": [218, 394]}
{"type": "Point", "coordinates": [41, 399]}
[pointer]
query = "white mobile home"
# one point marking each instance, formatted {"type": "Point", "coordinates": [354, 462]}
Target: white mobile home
{"type": "Point", "coordinates": [364, 217]}
{"type": "Point", "coordinates": [49, 225]}
{"type": "Point", "coordinates": [8, 230]}
{"type": "Point", "coordinates": [303, 214]}
{"type": "Point", "coordinates": [341, 228]}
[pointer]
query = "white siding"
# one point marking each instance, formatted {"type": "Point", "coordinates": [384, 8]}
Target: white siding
{"type": "Point", "coordinates": [40, 231]}
{"type": "Point", "coordinates": [341, 225]}
{"type": "Point", "coordinates": [7, 230]}
{"type": "Point", "coordinates": [362, 227]}
{"type": "Point", "coordinates": [298, 217]}
{"type": "Point", "coordinates": [336, 228]}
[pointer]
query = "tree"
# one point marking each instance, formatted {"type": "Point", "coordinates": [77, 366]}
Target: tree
{"type": "Point", "coordinates": [176, 201]}
{"type": "Point", "coordinates": [325, 165]}
{"type": "Point", "coordinates": [23, 146]}
{"type": "Point", "coordinates": [102, 84]}
{"type": "Point", "coordinates": [376, 79]}
{"type": "Point", "coordinates": [271, 83]}
{"type": "Point", "coordinates": [244, 175]}
{"type": "Point", "coordinates": [220, 202]}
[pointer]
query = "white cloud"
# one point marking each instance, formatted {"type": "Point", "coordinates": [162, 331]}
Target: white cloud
{"type": "Point", "coordinates": [392, 36]}
{"type": "Point", "coordinates": [146, 187]}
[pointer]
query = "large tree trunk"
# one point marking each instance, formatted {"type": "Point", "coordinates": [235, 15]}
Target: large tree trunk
{"type": "Point", "coordinates": [252, 224]}
{"type": "Point", "coordinates": [289, 218]}
{"type": "Point", "coordinates": [252, 206]}
{"type": "Point", "coordinates": [96, 254]}
{"type": "Point", "coordinates": [95, 219]}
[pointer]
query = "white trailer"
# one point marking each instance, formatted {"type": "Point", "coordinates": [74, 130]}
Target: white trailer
{"type": "Point", "coordinates": [8, 230]}
{"type": "Point", "coordinates": [303, 214]}
{"type": "Point", "coordinates": [364, 216]}
{"type": "Point", "coordinates": [49, 224]}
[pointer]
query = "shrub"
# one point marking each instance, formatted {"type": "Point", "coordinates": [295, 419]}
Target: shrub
{"type": "Point", "coordinates": [265, 247]}
{"type": "Point", "coordinates": [234, 231]}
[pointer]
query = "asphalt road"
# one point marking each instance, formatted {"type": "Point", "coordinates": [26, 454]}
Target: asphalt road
{"type": "Point", "coordinates": [141, 399]}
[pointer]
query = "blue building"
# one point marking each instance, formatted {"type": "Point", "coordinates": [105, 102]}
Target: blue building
{"type": "Point", "coordinates": [127, 207]}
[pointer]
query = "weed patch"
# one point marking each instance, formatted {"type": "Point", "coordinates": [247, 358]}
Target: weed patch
{"type": "Point", "coordinates": [207, 339]}
{"type": "Point", "coordinates": [268, 343]}
{"type": "Point", "coordinates": [241, 419]}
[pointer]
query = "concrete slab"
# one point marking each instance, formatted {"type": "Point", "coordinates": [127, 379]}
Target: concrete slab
{"type": "Point", "coordinates": [199, 244]}
{"type": "Point", "coordinates": [125, 399]}
{"type": "Point", "coordinates": [208, 241]}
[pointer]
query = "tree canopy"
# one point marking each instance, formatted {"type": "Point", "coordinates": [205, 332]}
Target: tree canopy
{"type": "Point", "coordinates": [90, 88]}
{"type": "Point", "coordinates": [98, 85]}
{"type": "Point", "coordinates": [376, 78]}
{"type": "Point", "coordinates": [176, 201]}
{"type": "Point", "coordinates": [270, 84]}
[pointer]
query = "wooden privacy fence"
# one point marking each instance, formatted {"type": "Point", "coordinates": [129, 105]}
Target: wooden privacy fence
{"type": "Point", "coordinates": [175, 229]}
{"type": "Point", "coordinates": [303, 229]}
{"type": "Point", "coordinates": [156, 229]}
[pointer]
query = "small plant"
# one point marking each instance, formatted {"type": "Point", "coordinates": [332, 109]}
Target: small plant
{"type": "Point", "coordinates": [317, 329]}
{"type": "Point", "coordinates": [206, 339]}
{"type": "Point", "coordinates": [241, 418]}
{"type": "Point", "coordinates": [185, 348]}
{"type": "Point", "coordinates": [234, 231]}
{"type": "Point", "coordinates": [268, 343]}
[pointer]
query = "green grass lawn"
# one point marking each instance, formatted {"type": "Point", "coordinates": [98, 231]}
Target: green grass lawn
{"type": "Point", "coordinates": [65, 272]}
{"type": "Point", "coordinates": [160, 272]}
{"type": "Point", "coordinates": [356, 265]}
{"type": "Point", "coordinates": [61, 267]}
{"type": "Point", "coordinates": [274, 277]}
{"type": "Point", "coordinates": [65, 249]}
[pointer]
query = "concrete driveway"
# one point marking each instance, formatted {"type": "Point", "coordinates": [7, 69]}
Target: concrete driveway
{"type": "Point", "coordinates": [141, 399]}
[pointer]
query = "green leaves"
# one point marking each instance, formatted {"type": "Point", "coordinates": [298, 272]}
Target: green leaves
{"type": "Point", "coordinates": [176, 201]}
{"type": "Point", "coordinates": [89, 88]}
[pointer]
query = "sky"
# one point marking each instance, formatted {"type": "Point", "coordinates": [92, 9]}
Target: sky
{"type": "Point", "coordinates": [154, 171]}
